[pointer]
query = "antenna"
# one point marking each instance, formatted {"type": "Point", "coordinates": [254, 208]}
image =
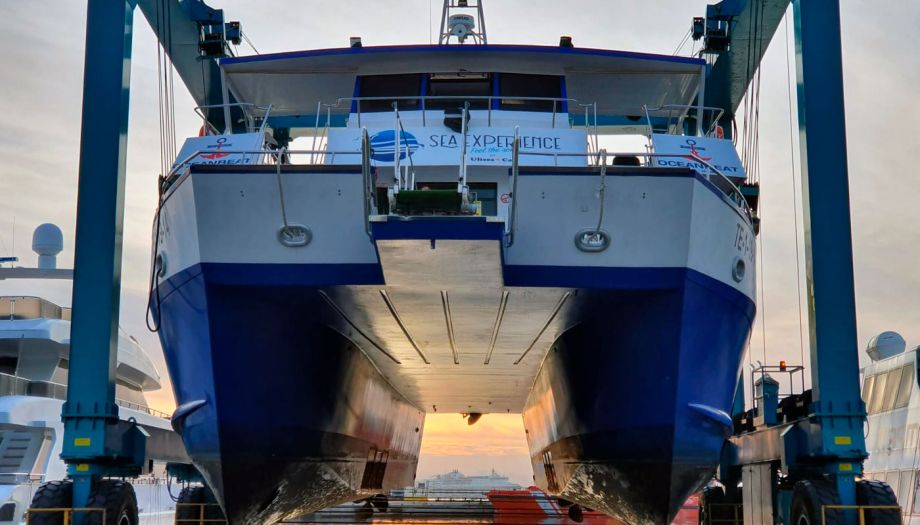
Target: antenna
{"type": "Point", "coordinates": [458, 22]}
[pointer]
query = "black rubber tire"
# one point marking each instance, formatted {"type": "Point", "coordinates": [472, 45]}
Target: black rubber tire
{"type": "Point", "coordinates": [119, 501]}
{"type": "Point", "coordinates": [808, 497]}
{"type": "Point", "coordinates": [713, 506]}
{"type": "Point", "coordinates": [51, 495]}
{"type": "Point", "coordinates": [189, 512]}
{"type": "Point", "coordinates": [192, 513]}
{"type": "Point", "coordinates": [878, 493]}
{"type": "Point", "coordinates": [380, 502]}
{"type": "Point", "coordinates": [576, 513]}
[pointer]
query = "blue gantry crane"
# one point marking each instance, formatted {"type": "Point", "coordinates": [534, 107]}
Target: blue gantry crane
{"type": "Point", "coordinates": [783, 469]}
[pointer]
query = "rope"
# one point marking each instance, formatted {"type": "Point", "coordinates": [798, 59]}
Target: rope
{"type": "Point", "coordinates": [153, 288]}
{"type": "Point", "coordinates": [602, 191]}
{"type": "Point", "coordinates": [278, 162]}
{"type": "Point", "coordinates": [683, 42]}
{"type": "Point", "coordinates": [751, 125]}
{"type": "Point", "coordinates": [763, 299]}
{"type": "Point", "coordinates": [795, 207]}
{"type": "Point", "coordinates": [246, 38]}
{"type": "Point", "coordinates": [162, 130]}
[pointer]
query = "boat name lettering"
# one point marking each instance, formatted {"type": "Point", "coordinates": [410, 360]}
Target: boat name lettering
{"type": "Point", "coordinates": [744, 243]}
{"type": "Point", "coordinates": [477, 140]}
{"type": "Point", "coordinates": [670, 163]}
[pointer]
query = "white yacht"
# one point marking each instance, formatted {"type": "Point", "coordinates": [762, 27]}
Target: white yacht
{"type": "Point", "coordinates": [892, 397]}
{"type": "Point", "coordinates": [34, 360]}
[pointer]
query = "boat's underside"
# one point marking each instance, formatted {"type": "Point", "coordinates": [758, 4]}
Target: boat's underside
{"type": "Point", "coordinates": [297, 417]}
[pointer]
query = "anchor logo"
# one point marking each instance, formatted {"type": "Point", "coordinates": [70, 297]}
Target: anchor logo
{"type": "Point", "coordinates": [695, 150]}
{"type": "Point", "coordinates": [221, 142]}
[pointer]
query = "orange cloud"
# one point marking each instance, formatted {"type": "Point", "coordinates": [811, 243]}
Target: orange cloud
{"type": "Point", "coordinates": [493, 435]}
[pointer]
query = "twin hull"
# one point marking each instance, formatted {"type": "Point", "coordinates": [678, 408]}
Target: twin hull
{"type": "Point", "coordinates": [304, 374]}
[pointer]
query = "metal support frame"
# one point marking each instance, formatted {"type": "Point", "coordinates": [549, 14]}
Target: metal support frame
{"type": "Point", "coordinates": [829, 442]}
{"type": "Point", "coordinates": [838, 409]}
{"type": "Point", "coordinates": [95, 444]}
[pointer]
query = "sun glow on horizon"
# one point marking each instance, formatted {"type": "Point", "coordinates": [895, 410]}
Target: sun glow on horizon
{"type": "Point", "coordinates": [497, 441]}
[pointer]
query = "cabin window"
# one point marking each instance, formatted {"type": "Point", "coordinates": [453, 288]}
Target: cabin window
{"type": "Point", "coordinates": [878, 393]}
{"type": "Point", "coordinates": [8, 365]}
{"type": "Point", "coordinates": [460, 88]}
{"type": "Point", "coordinates": [906, 387]}
{"type": "Point", "coordinates": [402, 87]}
{"type": "Point", "coordinates": [867, 390]}
{"type": "Point", "coordinates": [916, 506]}
{"type": "Point", "coordinates": [891, 389]}
{"type": "Point", "coordinates": [893, 480]}
{"type": "Point", "coordinates": [513, 85]}
{"type": "Point", "coordinates": [487, 195]}
{"type": "Point", "coordinates": [904, 484]}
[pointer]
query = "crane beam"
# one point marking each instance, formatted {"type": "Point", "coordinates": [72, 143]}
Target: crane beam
{"type": "Point", "coordinates": [749, 26]}
{"type": "Point", "coordinates": [179, 26]}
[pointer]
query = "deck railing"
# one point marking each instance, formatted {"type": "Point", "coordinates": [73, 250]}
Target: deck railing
{"type": "Point", "coordinates": [255, 117]}
{"type": "Point", "coordinates": [353, 104]}
{"type": "Point", "coordinates": [676, 114]}
{"type": "Point", "coordinates": [14, 385]}
{"type": "Point", "coordinates": [861, 512]}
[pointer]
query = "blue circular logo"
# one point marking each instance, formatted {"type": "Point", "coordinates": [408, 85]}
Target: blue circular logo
{"type": "Point", "coordinates": [383, 145]}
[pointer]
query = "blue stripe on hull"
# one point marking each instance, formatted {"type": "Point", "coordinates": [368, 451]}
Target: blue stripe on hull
{"type": "Point", "coordinates": [629, 411]}
{"type": "Point", "coordinates": [293, 408]}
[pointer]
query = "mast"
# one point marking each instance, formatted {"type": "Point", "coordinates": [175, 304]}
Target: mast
{"type": "Point", "coordinates": [459, 19]}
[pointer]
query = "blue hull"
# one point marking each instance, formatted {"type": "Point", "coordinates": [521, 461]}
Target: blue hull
{"type": "Point", "coordinates": [629, 412]}
{"type": "Point", "coordinates": [284, 415]}
{"type": "Point", "coordinates": [280, 413]}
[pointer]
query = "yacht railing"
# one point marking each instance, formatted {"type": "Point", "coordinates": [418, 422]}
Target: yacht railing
{"type": "Point", "coordinates": [349, 102]}
{"type": "Point", "coordinates": [367, 175]}
{"type": "Point", "coordinates": [17, 478]}
{"type": "Point", "coordinates": [719, 179]}
{"type": "Point", "coordinates": [676, 114]}
{"type": "Point", "coordinates": [20, 308]}
{"type": "Point", "coordinates": [248, 110]}
{"type": "Point", "coordinates": [267, 157]}
{"type": "Point", "coordinates": [14, 385]}
{"type": "Point", "coordinates": [593, 158]}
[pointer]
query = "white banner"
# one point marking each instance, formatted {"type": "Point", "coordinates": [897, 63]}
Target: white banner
{"type": "Point", "coordinates": [689, 151]}
{"type": "Point", "coordinates": [219, 149]}
{"type": "Point", "coordinates": [486, 146]}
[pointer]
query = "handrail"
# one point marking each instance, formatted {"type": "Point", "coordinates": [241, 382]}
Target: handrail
{"type": "Point", "coordinates": [271, 152]}
{"type": "Point", "coordinates": [717, 111]}
{"type": "Point", "coordinates": [422, 99]}
{"type": "Point", "coordinates": [366, 175]}
{"type": "Point", "coordinates": [861, 510]}
{"type": "Point", "coordinates": [464, 133]}
{"type": "Point", "coordinates": [515, 169]}
{"type": "Point", "coordinates": [397, 146]}
{"type": "Point", "coordinates": [736, 194]}
{"type": "Point", "coordinates": [251, 128]}
{"type": "Point", "coordinates": [60, 394]}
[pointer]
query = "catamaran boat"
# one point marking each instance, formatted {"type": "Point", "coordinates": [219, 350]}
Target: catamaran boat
{"type": "Point", "coordinates": [892, 396]}
{"type": "Point", "coordinates": [34, 359]}
{"type": "Point", "coordinates": [385, 232]}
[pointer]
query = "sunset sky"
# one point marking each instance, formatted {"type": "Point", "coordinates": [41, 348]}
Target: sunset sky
{"type": "Point", "coordinates": [40, 103]}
